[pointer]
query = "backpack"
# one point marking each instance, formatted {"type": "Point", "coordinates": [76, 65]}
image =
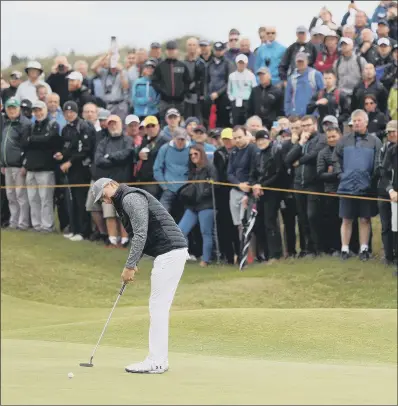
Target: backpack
{"type": "Point", "coordinates": [338, 64]}
{"type": "Point", "coordinates": [311, 78]}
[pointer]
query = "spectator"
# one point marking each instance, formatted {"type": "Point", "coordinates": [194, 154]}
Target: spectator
{"type": "Point", "coordinates": [254, 124]}
{"type": "Point", "coordinates": [15, 81]}
{"type": "Point", "coordinates": [16, 128]}
{"type": "Point", "coordinates": [141, 57]}
{"type": "Point", "coordinates": [392, 20]}
{"type": "Point", "coordinates": [263, 38]}
{"type": "Point", "coordinates": [238, 173]}
{"type": "Point", "coordinates": [383, 31]}
{"type": "Point", "coordinates": [349, 32]}
{"type": "Point", "coordinates": [361, 20]}
{"type": "Point", "coordinates": [377, 120]}
{"type": "Point", "coordinates": [215, 137]}
{"type": "Point", "coordinates": [147, 154]}
{"type": "Point", "coordinates": [318, 35]}
{"type": "Point", "coordinates": [39, 146]}
{"type": "Point", "coordinates": [219, 70]}
{"type": "Point", "coordinates": [356, 161]}
{"type": "Point", "coordinates": [367, 48]}
{"type": "Point", "coordinates": [55, 111]}
{"type": "Point", "coordinates": [82, 67]}
{"type": "Point", "coordinates": [27, 89]}
{"type": "Point", "coordinates": [330, 205]}
{"type": "Point", "coordinates": [130, 68]}
{"type": "Point", "coordinates": [113, 159]}
{"type": "Point", "coordinates": [301, 86]}
{"type": "Point", "coordinates": [369, 85]}
{"type": "Point", "coordinates": [190, 124]}
{"type": "Point", "coordinates": [270, 54]}
{"type": "Point", "coordinates": [266, 100]}
{"type": "Point", "coordinates": [288, 63]}
{"type": "Point", "coordinates": [57, 80]}
{"type": "Point", "coordinates": [191, 107]}
{"type": "Point", "coordinates": [75, 158]}
{"type": "Point", "coordinates": [245, 50]}
{"type": "Point", "coordinates": [266, 171]}
{"type": "Point", "coordinates": [79, 93]}
{"type": "Point", "coordinates": [132, 123]}
{"type": "Point", "coordinates": [90, 114]}
{"type": "Point", "coordinates": [233, 45]}
{"type": "Point", "coordinates": [171, 164]}
{"type": "Point", "coordinates": [303, 157]}
{"type": "Point", "coordinates": [42, 93]}
{"type": "Point", "coordinates": [385, 207]}
{"type": "Point", "coordinates": [384, 56]}
{"type": "Point", "coordinates": [329, 122]}
{"type": "Point", "coordinates": [393, 101]}
{"type": "Point", "coordinates": [325, 18]}
{"type": "Point", "coordinates": [380, 12]}
{"type": "Point", "coordinates": [348, 67]}
{"type": "Point", "coordinates": [240, 85]}
{"type": "Point", "coordinates": [26, 109]}
{"type": "Point", "coordinates": [200, 137]}
{"type": "Point", "coordinates": [144, 97]}
{"type": "Point", "coordinates": [329, 54]}
{"type": "Point", "coordinates": [330, 101]}
{"type": "Point", "coordinates": [198, 201]}
{"type": "Point", "coordinates": [171, 80]}
{"type": "Point", "coordinates": [202, 80]}
{"type": "Point", "coordinates": [173, 119]}
{"type": "Point", "coordinates": [391, 71]}
{"type": "Point", "coordinates": [155, 52]}
{"type": "Point", "coordinates": [227, 233]}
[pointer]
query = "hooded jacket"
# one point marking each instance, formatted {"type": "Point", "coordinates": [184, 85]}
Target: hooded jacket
{"type": "Point", "coordinates": [171, 164]}
{"type": "Point", "coordinates": [13, 133]}
{"type": "Point", "coordinates": [362, 90]}
{"type": "Point", "coordinates": [270, 55]}
{"type": "Point", "coordinates": [144, 97]}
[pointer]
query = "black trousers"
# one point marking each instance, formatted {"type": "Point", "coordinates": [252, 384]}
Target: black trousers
{"type": "Point", "coordinates": [386, 231]}
{"type": "Point", "coordinates": [60, 200]}
{"type": "Point", "coordinates": [289, 213]}
{"type": "Point", "coordinates": [239, 114]}
{"type": "Point", "coordinates": [223, 111]}
{"type": "Point", "coordinates": [5, 211]}
{"type": "Point", "coordinates": [204, 108]}
{"type": "Point", "coordinates": [331, 224]}
{"type": "Point", "coordinates": [154, 190]}
{"type": "Point", "coordinates": [191, 110]}
{"type": "Point", "coordinates": [80, 221]}
{"type": "Point", "coordinates": [308, 209]}
{"type": "Point", "coordinates": [272, 202]}
{"type": "Point", "coordinates": [260, 231]}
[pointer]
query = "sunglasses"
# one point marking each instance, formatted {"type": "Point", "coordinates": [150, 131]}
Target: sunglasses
{"type": "Point", "coordinates": [233, 39]}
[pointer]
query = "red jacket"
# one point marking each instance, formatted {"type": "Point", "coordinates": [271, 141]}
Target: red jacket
{"type": "Point", "coordinates": [324, 61]}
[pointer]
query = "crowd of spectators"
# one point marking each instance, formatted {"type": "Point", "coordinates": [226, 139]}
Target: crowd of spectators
{"type": "Point", "coordinates": [319, 116]}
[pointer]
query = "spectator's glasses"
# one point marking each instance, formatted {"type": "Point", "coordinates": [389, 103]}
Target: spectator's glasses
{"type": "Point", "coordinates": [369, 103]}
{"type": "Point", "coordinates": [151, 126]}
{"type": "Point", "coordinates": [234, 39]}
{"type": "Point", "coordinates": [307, 125]}
{"type": "Point", "coordinates": [271, 33]}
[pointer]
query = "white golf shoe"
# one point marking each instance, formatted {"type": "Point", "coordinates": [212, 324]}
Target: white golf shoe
{"type": "Point", "coordinates": [148, 367]}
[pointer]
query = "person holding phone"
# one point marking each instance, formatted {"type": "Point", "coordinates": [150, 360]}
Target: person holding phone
{"type": "Point", "coordinates": [58, 80]}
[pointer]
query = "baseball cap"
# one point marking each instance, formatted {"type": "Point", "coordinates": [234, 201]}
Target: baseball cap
{"type": "Point", "coordinates": [38, 104]}
{"type": "Point", "coordinates": [383, 22]}
{"type": "Point", "coordinates": [234, 31]}
{"type": "Point", "coordinates": [346, 40]}
{"type": "Point", "coordinates": [262, 70]}
{"type": "Point", "coordinates": [215, 133]}
{"type": "Point", "coordinates": [331, 33]}
{"type": "Point", "coordinates": [180, 133]}
{"type": "Point", "coordinates": [16, 73]}
{"type": "Point", "coordinates": [350, 123]}
{"type": "Point", "coordinates": [190, 120]}
{"type": "Point", "coordinates": [315, 30]}
{"type": "Point", "coordinates": [150, 62]}
{"type": "Point", "coordinates": [151, 120]}
{"type": "Point", "coordinates": [75, 76]}
{"type": "Point", "coordinates": [171, 45]}
{"type": "Point", "coordinates": [155, 45]}
{"type": "Point", "coordinates": [173, 112]}
{"type": "Point", "coordinates": [200, 128]}
{"type": "Point", "coordinates": [70, 106]}
{"type": "Point", "coordinates": [204, 43]}
{"type": "Point", "coordinates": [301, 28]}
{"type": "Point", "coordinates": [301, 56]}
{"type": "Point", "coordinates": [384, 41]}
{"type": "Point", "coordinates": [226, 134]}
{"type": "Point", "coordinates": [330, 119]}
{"type": "Point", "coordinates": [98, 188]}
{"type": "Point", "coordinates": [33, 65]}
{"type": "Point", "coordinates": [26, 104]}
{"type": "Point", "coordinates": [285, 131]}
{"type": "Point", "coordinates": [12, 102]}
{"type": "Point", "coordinates": [392, 126]}
{"type": "Point", "coordinates": [114, 117]}
{"type": "Point", "coordinates": [142, 124]}
{"type": "Point", "coordinates": [219, 46]}
{"type": "Point", "coordinates": [324, 30]}
{"type": "Point", "coordinates": [242, 58]}
{"type": "Point", "coordinates": [103, 114]}
{"type": "Point", "coordinates": [262, 135]}
{"type": "Point", "coordinates": [131, 118]}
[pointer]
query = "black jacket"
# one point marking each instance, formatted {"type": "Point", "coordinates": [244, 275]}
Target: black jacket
{"type": "Point", "coordinates": [375, 88]}
{"type": "Point", "coordinates": [389, 75]}
{"type": "Point", "coordinates": [287, 177]}
{"type": "Point", "coordinates": [163, 233]}
{"type": "Point", "coordinates": [338, 106]}
{"type": "Point", "coordinates": [59, 84]}
{"type": "Point", "coordinates": [288, 62]}
{"type": "Point", "coordinates": [377, 124]}
{"type": "Point", "coordinates": [220, 162]}
{"type": "Point", "coordinates": [380, 61]}
{"type": "Point", "coordinates": [8, 93]}
{"type": "Point", "coordinates": [330, 180]}
{"type": "Point", "coordinates": [201, 76]}
{"type": "Point", "coordinates": [145, 171]}
{"type": "Point", "coordinates": [81, 97]}
{"type": "Point", "coordinates": [219, 71]}
{"type": "Point", "coordinates": [171, 79]}
{"type": "Point", "coordinates": [267, 166]}
{"type": "Point", "coordinates": [40, 145]}
{"type": "Point", "coordinates": [305, 175]}
{"type": "Point", "coordinates": [389, 175]}
{"type": "Point", "coordinates": [114, 158]}
{"type": "Point", "coordinates": [370, 55]}
{"type": "Point", "coordinates": [267, 103]}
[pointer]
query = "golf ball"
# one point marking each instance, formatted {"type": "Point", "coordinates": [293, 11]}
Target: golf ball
{"type": "Point", "coordinates": [70, 375]}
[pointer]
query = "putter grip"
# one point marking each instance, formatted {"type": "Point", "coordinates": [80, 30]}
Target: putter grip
{"type": "Point", "coordinates": [122, 289]}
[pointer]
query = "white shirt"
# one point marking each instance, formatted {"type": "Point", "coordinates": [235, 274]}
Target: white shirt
{"type": "Point", "coordinates": [27, 90]}
{"type": "Point", "coordinates": [240, 85]}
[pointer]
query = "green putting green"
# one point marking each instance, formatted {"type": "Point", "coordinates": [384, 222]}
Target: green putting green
{"type": "Point", "coordinates": [304, 332]}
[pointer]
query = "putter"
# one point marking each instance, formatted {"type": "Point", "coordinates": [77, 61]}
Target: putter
{"type": "Point", "coordinates": [90, 364]}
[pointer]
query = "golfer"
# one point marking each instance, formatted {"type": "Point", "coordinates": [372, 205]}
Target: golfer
{"type": "Point", "coordinates": [153, 232]}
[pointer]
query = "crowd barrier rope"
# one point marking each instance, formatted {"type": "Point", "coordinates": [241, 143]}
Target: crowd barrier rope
{"type": "Point", "coordinates": [210, 181]}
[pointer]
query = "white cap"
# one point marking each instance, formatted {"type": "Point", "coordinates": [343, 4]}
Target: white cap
{"type": "Point", "coordinates": [34, 65]}
{"type": "Point", "coordinates": [346, 40]}
{"type": "Point", "coordinates": [384, 41]}
{"type": "Point", "coordinates": [132, 118]}
{"type": "Point", "coordinates": [324, 30]}
{"type": "Point", "coordinates": [75, 76]}
{"type": "Point", "coordinates": [142, 124]}
{"type": "Point", "coordinates": [242, 58]}
{"type": "Point", "coordinates": [38, 104]}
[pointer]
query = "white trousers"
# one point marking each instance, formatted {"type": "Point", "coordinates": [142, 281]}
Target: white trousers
{"type": "Point", "coordinates": [394, 219]}
{"type": "Point", "coordinates": [166, 274]}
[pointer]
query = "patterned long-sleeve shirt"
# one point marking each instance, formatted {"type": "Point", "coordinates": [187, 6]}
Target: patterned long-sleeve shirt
{"type": "Point", "coordinates": [136, 207]}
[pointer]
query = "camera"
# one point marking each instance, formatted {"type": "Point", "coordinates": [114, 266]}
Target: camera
{"type": "Point", "coordinates": [61, 68]}
{"type": "Point", "coordinates": [267, 62]}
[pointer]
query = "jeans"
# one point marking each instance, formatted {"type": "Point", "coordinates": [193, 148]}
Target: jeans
{"type": "Point", "coordinates": [167, 199]}
{"type": "Point", "coordinates": [206, 222]}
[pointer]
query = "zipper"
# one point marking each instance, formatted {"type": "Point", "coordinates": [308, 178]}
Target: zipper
{"type": "Point", "coordinates": [5, 145]}
{"type": "Point", "coordinates": [302, 169]}
{"type": "Point", "coordinates": [147, 97]}
{"type": "Point", "coordinates": [172, 80]}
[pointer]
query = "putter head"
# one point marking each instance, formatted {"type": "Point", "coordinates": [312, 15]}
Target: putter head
{"type": "Point", "coordinates": [86, 364]}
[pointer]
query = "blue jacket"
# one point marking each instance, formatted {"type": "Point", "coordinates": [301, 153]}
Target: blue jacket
{"type": "Point", "coordinates": [356, 160]}
{"type": "Point", "coordinates": [171, 164]}
{"type": "Point", "coordinates": [300, 89]}
{"type": "Point", "coordinates": [274, 53]}
{"type": "Point", "coordinates": [239, 164]}
{"type": "Point", "coordinates": [144, 97]}
{"type": "Point", "coordinates": [209, 150]}
{"type": "Point", "coordinates": [379, 14]}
